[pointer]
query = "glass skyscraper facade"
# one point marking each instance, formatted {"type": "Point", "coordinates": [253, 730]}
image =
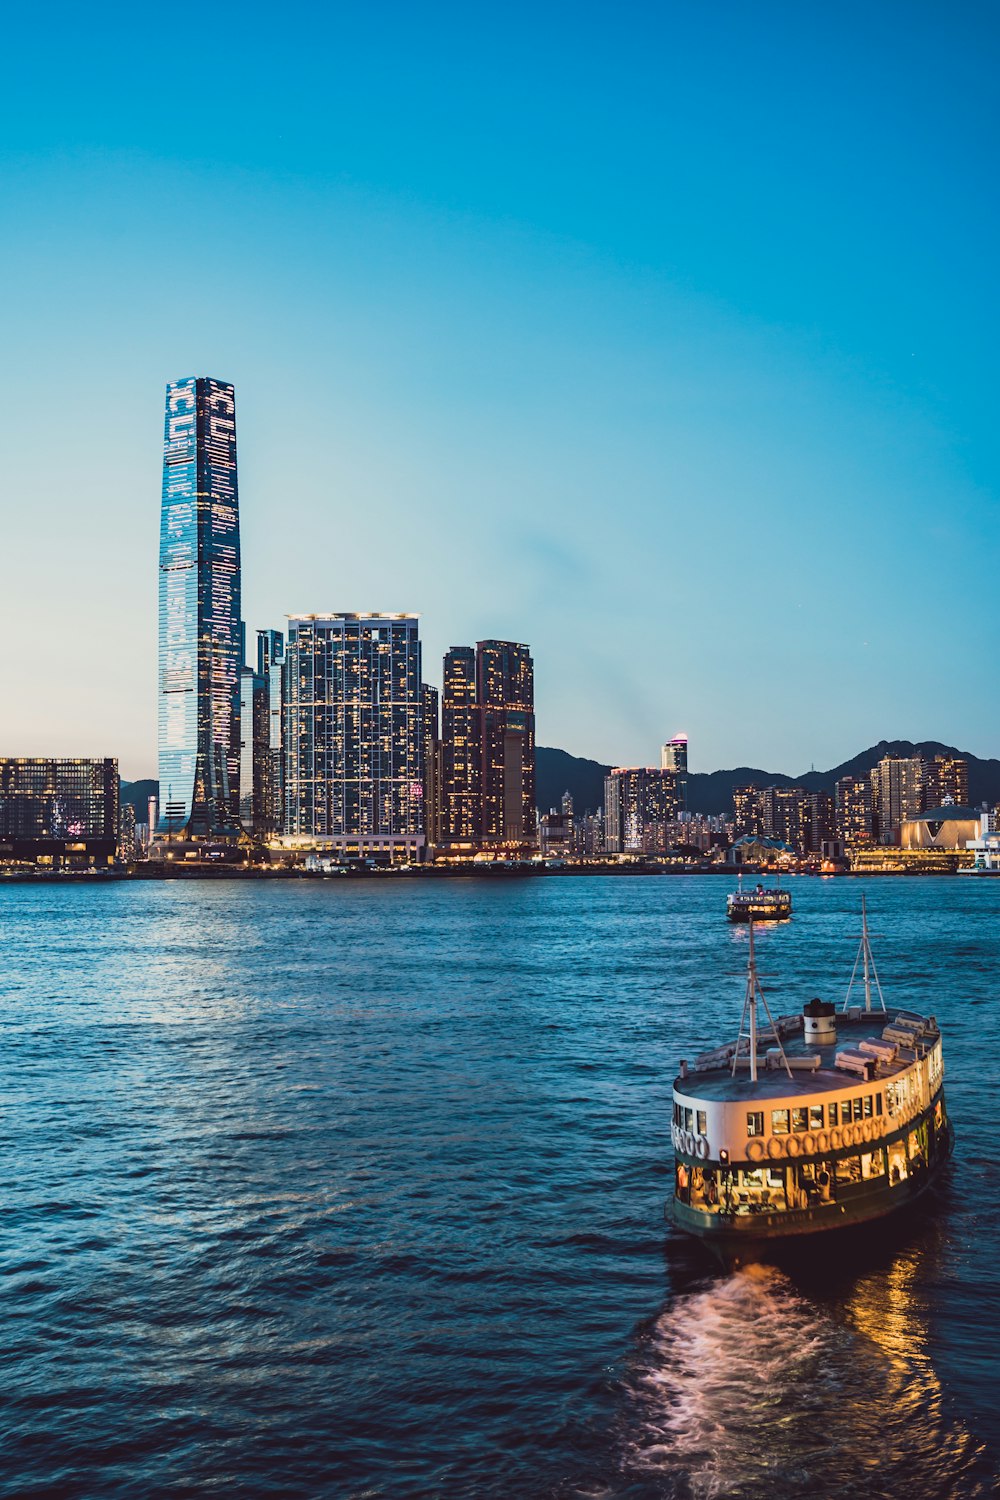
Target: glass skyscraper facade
{"type": "Point", "coordinates": [353, 747]}
{"type": "Point", "coordinates": [200, 629]}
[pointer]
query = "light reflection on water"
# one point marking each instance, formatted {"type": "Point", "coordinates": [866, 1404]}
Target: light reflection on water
{"type": "Point", "coordinates": [749, 1389]}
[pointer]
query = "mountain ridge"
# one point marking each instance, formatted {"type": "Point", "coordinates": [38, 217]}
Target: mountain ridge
{"type": "Point", "coordinates": [712, 791]}
{"type": "Point", "coordinates": [558, 771]}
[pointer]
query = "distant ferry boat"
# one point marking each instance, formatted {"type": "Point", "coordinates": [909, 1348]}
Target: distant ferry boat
{"type": "Point", "coordinates": [809, 1124]}
{"type": "Point", "coordinates": [758, 905]}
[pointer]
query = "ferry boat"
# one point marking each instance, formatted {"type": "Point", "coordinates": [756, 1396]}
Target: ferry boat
{"type": "Point", "coordinates": [758, 905]}
{"type": "Point", "coordinates": [808, 1124]}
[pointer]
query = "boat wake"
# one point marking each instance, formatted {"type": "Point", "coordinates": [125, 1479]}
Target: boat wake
{"type": "Point", "coordinates": [749, 1389]}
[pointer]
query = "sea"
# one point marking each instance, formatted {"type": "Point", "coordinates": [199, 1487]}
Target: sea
{"type": "Point", "coordinates": [355, 1188]}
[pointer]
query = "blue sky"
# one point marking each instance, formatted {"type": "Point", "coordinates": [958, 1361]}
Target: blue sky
{"type": "Point", "coordinates": [662, 337]}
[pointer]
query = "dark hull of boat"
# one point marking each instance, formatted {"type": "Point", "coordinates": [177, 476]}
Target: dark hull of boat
{"type": "Point", "coordinates": [738, 1241]}
{"type": "Point", "coordinates": [760, 914]}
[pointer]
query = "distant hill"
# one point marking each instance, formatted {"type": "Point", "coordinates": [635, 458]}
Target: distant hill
{"type": "Point", "coordinates": [712, 791]}
{"type": "Point", "coordinates": [556, 771]}
{"type": "Point", "coordinates": [138, 794]}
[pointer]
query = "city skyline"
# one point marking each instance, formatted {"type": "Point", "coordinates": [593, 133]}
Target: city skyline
{"type": "Point", "coordinates": [636, 345]}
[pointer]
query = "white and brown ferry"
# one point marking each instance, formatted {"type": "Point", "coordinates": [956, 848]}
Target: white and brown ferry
{"type": "Point", "coordinates": [808, 1123]}
{"type": "Point", "coordinates": [758, 905]}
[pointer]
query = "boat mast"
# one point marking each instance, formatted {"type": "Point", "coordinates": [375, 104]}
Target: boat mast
{"type": "Point", "coordinates": [866, 958]}
{"type": "Point", "coordinates": [753, 991]}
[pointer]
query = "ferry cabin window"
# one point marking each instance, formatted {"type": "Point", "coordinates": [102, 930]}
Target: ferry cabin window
{"type": "Point", "coordinates": [755, 1122]}
{"type": "Point", "coordinates": [779, 1122]}
{"type": "Point", "coordinates": [689, 1119]}
{"type": "Point", "coordinates": [833, 1114]}
{"type": "Point", "coordinates": [878, 1104]}
{"type": "Point", "coordinates": [702, 1122]}
{"type": "Point", "coordinates": [858, 1108]}
{"type": "Point", "coordinates": [800, 1119]}
{"type": "Point", "coordinates": [815, 1117]}
{"type": "Point", "coordinates": [868, 1106]}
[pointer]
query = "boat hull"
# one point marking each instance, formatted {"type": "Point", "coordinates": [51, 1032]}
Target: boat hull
{"type": "Point", "coordinates": [738, 1240]}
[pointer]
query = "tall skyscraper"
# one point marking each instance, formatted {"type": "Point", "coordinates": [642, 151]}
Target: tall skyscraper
{"type": "Point", "coordinates": [640, 805]}
{"type": "Point", "coordinates": [946, 778]}
{"type": "Point", "coordinates": [505, 686]}
{"type": "Point", "coordinates": [353, 745]}
{"type": "Point", "coordinates": [488, 747]}
{"type": "Point", "coordinates": [431, 730]}
{"type": "Point", "coordinates": [897, 794]}
{"type": "Point", "coordinates": [270, 728]}
{"type": "Point", "coordinates": [200, 629]}
{"type": "Point", "coordinates": [461, 796]}
{"type": "Point", "coordinates": [853, 802]}
{"type": "Point", "coordinates": [674, 757]}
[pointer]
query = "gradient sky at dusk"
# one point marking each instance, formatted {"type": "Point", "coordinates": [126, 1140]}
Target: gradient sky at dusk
{"type": "Point", "coordinates": [663, 337]}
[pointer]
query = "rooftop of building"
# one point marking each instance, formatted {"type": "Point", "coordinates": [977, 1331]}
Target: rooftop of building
{"type": "Point", "coordinates": [948, 813]}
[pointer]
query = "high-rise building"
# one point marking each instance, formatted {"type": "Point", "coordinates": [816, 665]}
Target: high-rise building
{"type": "Point", "coordinates": [461, 781]}
{"type": "Point", "coordinates": [249, 697]}
{"type": "Point", "coordinates": [674, 757]}
{"type": "Point", "coordinates": [897, 794]}
{"type": "Point", "coordinates": [127, 849]}
{"type": "Point", "coordinates": [270, 729]}
{"type": "Point", "coordinates": [946, 779]}
{"type": "Point", "coordinates": [431, 730]}
{"type": "Point", "coordinates": [640, 806]}
{"type": "Point", "coordinates": [745, 815]}
{"type": "Point", "coordinates": [853, 810]}
{"type": "Point", "coordinates": [488, 748]}
{"type": "Point", "coordinates": [821, 827]}
{"type": "Point", "coordinates": [506, 696]}
{"type": "Point", "coordinates": [200, 629]}
{"type": "Point", "coordinates": [353, 745]}
{"type": "Point", "coordinates": [59, 812]}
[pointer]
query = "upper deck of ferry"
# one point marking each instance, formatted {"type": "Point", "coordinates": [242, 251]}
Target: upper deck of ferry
{"type": "Point", "coordinates": [895, 1040]}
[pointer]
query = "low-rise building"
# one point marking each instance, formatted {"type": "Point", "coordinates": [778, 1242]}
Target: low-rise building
{"type": "Point", "coordinates": [61, 813]}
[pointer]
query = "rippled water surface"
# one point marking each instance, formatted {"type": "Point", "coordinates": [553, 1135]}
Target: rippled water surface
{"type": "Point", "coordinates": [356, 1189]}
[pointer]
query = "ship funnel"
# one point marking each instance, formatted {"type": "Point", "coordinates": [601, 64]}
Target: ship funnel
{"type": "Point", "coordinates": [819, 1023]}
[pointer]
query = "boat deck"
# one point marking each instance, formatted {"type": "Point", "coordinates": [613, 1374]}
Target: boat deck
{"type": "Point", "coordinates": [772, 1082]}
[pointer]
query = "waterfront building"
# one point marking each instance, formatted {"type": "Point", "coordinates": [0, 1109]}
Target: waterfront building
{"type": "Point", "coordinates": [353, 744]}
{"type": "Point", "coordinates": [488, 749]}
{"type": "Point", "coordinates": [588, 835]}
{"type": "Point", "coordinates": [897, 794]}
{"type": "Point", "coordinates": [703, 831]}
{"type": "Point", "coordinates": [853, 810]}
{"type": "Point", "coordinates": [59, 812]}
{"type": "Point", "coordinates": [269, 729]}
{"type": "Point", "coordinates": [674, 757]}
{"type": "Point", "coordinates": [506, 699]}
{"type": "Point", "coordinates": [461, 782]}
{"type": "Point", "coordinates": [249, 696]}
{"type": "Point", "coordinates": [745, 815]}
{"type": "Point", "coordinates": [947, 827]}
{"type": "Point", "coordinates": [200, 632]}
{"type": "Point", "coordinates": [821, 829]}
{"type": "Point", "coordinates": [127, 842]}
{"type": "Point", "coordinates": [431, 729]}
{"type": "Point", "coordinates": [640, 805]}
{"type": "Point", "coordinates": [945, 778]}
{"type": "Point", "coordinates": [555, 834]}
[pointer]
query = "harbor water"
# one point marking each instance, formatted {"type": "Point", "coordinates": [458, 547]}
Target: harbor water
{"type": "Point", "coordinates": [355, 1188]}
